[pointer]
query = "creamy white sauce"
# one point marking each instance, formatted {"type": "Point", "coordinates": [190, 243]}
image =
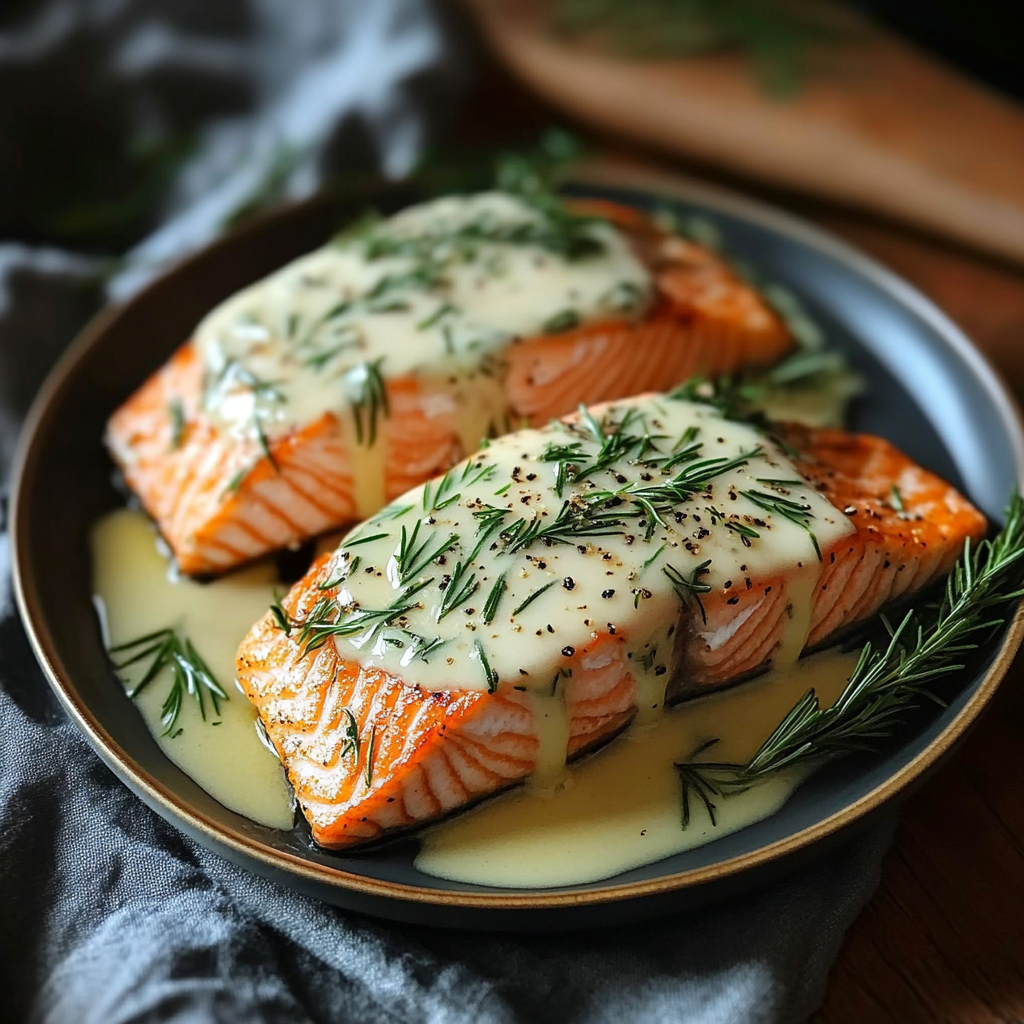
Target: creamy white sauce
{"type": "Point", "coordinates": [138, 597]}
{"type": "Point", "coordinates": [612, 811]}
{"type": "Point", "coordinates": [435, 292]}
{"type": "Point", "coordinates": [621, 807]}
{"type": "Point", "coordinates": [615, 583]}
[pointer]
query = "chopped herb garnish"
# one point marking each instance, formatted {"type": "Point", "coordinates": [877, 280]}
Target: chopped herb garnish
{"type": "Point", "coordinates": [689, 588]}
{"type": "Point", "coordinates": [351, 543]}
{"type": "Point", "coordinates": [797, 512]}
{"type": "Point", "coordinates": [236, 479]}
{"type": "Point", "coordinates": [177, 414]}
{"type": "Point", "coordinates": [350, 744]}
{"type": "Point", "coordinates": [461, 587]}
{"type": "Point", "coordinates": [190, 675]}
{"type": "Point", "coordinates": [265, 444]}
{"type": "Point", "coordinates": [281, 616]}
{"type": "Point", "coordinates": [647, 564]}
{"type": "Point", "coordinates": [369, 753]}
{"type": "Point", "coordinates": [443, 310]}
{"type": "Point", "coordinates": [328, 619]}
{"type": "Point", "coordinates": [897, 498]}
{"type": "Point", "coordinates": [366, 390]}
{"type": "Point", "coordinates": [494, 598]}
{"type": "Point", "coordinates": [489, 674]}
{"type": "Point", "coordinates": [533, 597]}
{"type": "Point", "coordinates": [413, 557]}
{"type": "Point", "coordinates": [564, 321]}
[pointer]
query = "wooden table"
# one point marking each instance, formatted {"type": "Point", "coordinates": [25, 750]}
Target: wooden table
{"type": "Point", "coordinates": [943, 938]}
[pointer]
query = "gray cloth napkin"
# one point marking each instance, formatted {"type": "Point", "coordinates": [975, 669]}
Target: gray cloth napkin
{"type": "Point", "coordinates": [107, 914]}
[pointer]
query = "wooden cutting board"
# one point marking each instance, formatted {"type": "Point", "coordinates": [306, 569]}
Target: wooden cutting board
{"type": "Point", "coordinates": [879, 125]}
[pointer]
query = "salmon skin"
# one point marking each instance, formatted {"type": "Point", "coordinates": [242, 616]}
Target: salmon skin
{"type": "Point", "coordinates": [662, 550]}
{"type": "Point", "coordinates": [221, 497]}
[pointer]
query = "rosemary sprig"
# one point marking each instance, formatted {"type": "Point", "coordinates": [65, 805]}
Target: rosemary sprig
{"type": "Point", "coordinates": [265, 444]}
{"type": "Point", "coordinates": [350, 744]}
{"type": "Point", "coordinates": [412, 557]}
{"type": "Point", "coordinates": [689, 588]}
{"type": "Point", "coordinates": [490, 674]}
{"type": "Point", "coordinates": [190, 675]}
{"type": "Point", "coordinates": [494, 598]}
{"type": "Point", "coordinates": [177, 413]}
{"type": "Point", "coordinates": [281, 616]}
{"type": "Point", "coordinates": [446, 493]}
{"type": "Point", "coordinates": [533, 597]}
{"type": "Point", "coordinates": [461, 587]}
{"type": "Point", "coordinates": [889, 679]}
{"type": "Point", "coordinates": [566, 320]}
{"type": "Point", "coordinates": [797, 512]}
{"type": "Point", "coordinates": [369, 754]}
{"type": "Point", "coordinates": [368, 394]}
{"type": "Point", "coordinates": [328, 619]}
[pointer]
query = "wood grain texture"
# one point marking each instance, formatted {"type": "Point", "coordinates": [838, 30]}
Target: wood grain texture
{"type": "Point", "coordinates": [942, 941]}
{"type": "Point", "coordinates": [879, 123]}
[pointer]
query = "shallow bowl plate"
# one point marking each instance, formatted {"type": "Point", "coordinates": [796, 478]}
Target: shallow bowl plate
{"type": "Point", "coordinates": [928, 390]}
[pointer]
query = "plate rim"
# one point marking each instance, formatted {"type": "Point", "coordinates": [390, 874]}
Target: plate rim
{"type": "Point", "coordinates": [177, 810]}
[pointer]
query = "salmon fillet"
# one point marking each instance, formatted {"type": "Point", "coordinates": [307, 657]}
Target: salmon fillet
{"type": "Point", "coordinates": [220, 500]}
{"type": "Point", "coordinates": [369, 751]}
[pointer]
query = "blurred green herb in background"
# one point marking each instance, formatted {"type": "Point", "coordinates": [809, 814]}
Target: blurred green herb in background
{"type": "Point", "coordinates": [774, 35]}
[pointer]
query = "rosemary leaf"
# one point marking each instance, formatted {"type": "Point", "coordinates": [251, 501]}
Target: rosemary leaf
{"type": "Point", "coordinates": [190, 675]}
{"type": "Point", "coordinates": [494, 598]}
{"type": "Point", "coordinates": [177, 414]}
{"type": "Point", "coordinates": [533, 597]}
{"type": "Point", "coordinates": [891, 678]}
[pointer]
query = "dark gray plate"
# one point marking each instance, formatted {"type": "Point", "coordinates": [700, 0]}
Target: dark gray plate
{"type": "Point", "coordinates": [929, 391]}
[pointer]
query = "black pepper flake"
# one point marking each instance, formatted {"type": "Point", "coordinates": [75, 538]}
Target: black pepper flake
{"type": "Point", "coordinates": [611, 629]}
{"type": "Point", "coordinates": [607, 593]}
{"type": "Point", "coordinates": [568, 651]}
{"type": "Point", "coordinates": [551, 628]}
{"type": "Point", "coordinates": [523, 672]}
{"type": "Point", "coordinates": [659, 670]}
{"type": "Point", "coordinates": [733, 600]}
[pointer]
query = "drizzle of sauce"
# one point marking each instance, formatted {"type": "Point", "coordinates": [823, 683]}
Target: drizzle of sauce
{"type": "Point", "coordinates": [620, 808]}
{"type": "Point", "coordinates": [612, 811]}
{"type": "Point", "coordinates": [137, 596]}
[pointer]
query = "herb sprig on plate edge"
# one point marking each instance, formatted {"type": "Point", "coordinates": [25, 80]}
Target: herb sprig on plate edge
{"type": "Point", "coordinates": [890, 678]}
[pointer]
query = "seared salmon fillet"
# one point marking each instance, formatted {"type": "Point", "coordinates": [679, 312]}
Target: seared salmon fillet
{"type": "Point", "coordinates": [225, 486]}
{"type": "Point", "coordinates": [524, 608]}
